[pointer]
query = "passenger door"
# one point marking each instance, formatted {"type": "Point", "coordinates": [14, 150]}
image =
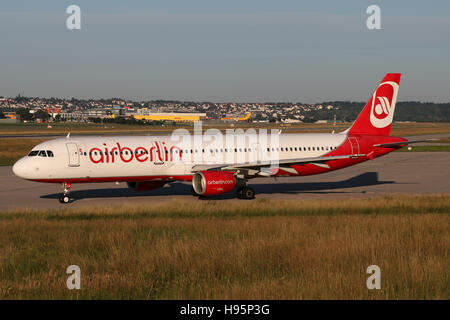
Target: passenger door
{"type": "Point", "coordinates": [354, 145]}
{"type": "Point", "coordinates": [74, 155]}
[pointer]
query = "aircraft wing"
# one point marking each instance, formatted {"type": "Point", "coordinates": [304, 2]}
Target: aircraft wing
{"type": "Point", "coordinates": [394, 144]}
{"type": "Point", "coordinates": [267, 168]}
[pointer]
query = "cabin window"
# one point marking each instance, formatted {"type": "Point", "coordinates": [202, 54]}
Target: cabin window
{"type": "Point", "coordinates": [314, 149]}
{"type": "Point", "coordinates": [282, 149]}
{"type": "Point", "coordinates": [309, 148]}
{"type": "Point", "coordinates": [295, 148]}
{"type": "Point", "coordinates": [33, 153]}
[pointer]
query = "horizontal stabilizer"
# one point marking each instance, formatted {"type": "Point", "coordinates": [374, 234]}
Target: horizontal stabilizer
{"type": "Point", "coordinates": [395, 144]}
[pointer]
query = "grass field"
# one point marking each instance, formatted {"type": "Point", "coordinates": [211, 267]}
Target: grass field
{"type": "Point", "coordinates": [12, 149]}
{"type": "Point", "coordinates": [260, 249]}
{"type": "Point", "coordinates": [398, 129]}
{"type": "Point", "coordinates": [426, 149]}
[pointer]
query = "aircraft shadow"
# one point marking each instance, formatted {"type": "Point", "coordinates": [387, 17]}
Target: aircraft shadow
{"type": "Point", "coordinates": [365, 179]}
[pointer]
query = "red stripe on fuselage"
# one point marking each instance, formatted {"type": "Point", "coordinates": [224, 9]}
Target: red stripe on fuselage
{"type": "Point", "coordinates": [117, 179]}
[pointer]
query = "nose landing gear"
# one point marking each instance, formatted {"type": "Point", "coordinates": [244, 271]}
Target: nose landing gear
{"type": "Point", "coordinates": [65, 198]}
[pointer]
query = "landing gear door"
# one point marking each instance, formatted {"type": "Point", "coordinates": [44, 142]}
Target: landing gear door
{"type": "Point", "coordinates": [74, 155]}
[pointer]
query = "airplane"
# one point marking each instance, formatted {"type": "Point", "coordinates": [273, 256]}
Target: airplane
{"type": "Point", "coordinates": [214, 168]}
{"type": "Point", "coordinates": [246, 117]}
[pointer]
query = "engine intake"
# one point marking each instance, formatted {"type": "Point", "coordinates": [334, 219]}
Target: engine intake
{"type": "Point", "coordinates": [211, 183]}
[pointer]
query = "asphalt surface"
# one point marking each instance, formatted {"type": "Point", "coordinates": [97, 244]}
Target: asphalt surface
{"type": "Point", "coordinates": [395, 173]}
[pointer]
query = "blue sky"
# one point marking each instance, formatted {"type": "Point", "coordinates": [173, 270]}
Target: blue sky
{"type": "Point", "coordinates": [205, 50]}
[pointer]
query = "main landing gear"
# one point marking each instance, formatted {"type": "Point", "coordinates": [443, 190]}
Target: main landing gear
{"type": "Point", "coordinates": [245, 192]}
{"type": "Point", "coordinates": [65, 198]}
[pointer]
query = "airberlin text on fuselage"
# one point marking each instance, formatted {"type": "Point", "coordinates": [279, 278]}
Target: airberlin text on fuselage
{"type": "Point", "coordinates": [159, 152]}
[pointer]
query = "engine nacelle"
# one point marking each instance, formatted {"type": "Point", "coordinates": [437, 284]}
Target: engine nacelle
{"type": "Point", "coordinates": [211, 183]}
{"type": "Point", "coordinates": [145, 185]}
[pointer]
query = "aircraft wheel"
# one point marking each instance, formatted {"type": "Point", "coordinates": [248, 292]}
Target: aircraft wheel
{"type": "Point", "coordinates": [247, 193]}
{"type": "Point", "coordinates": [64, 198]}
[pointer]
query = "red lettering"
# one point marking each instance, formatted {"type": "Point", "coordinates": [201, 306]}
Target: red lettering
{"type": "Point", "coordinates": [107, 154]}
{"type": "Point", "coordinates": [112, 154]}
{"type": "Point", "coordinates": [152, 149]}
{"type": "Point", "coordinates": [171, 152]}
{"type": "Point", "coordinates": [166, 152]}
{"type": "Point", "coordinates": [159, 152]}
{"type": "Point", "coordinates": [140, 154]}
{"type": "Point", "coordinates": [91, 153]}
{"type": "Point", "coordinates": [121, 152]}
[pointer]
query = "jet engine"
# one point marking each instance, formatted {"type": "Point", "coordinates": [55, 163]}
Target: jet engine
{"type": "Point", "coordinates": [211, 183]}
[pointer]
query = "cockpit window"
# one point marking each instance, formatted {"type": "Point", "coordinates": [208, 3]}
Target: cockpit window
{"type": "Point", "coordinates": [41, 153]}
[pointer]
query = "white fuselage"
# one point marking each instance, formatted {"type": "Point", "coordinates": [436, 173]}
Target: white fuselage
{"type": "Point", "coordinates": [126, 157]}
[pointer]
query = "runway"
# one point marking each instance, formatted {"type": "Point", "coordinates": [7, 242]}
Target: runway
{"type": "Point", "coordinates": [398, 172]}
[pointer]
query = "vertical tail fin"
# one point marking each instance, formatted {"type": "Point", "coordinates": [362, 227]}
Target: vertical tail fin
{"type": "Point", "coordinates": [376, 117]}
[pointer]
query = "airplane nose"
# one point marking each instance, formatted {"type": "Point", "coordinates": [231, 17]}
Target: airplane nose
{"type": "Point", "coordinates": [19, 168]}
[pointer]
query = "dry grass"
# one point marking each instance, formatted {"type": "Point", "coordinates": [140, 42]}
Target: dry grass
{"type": "Point", "coordinates": [12, 149]}
{"type": "Point", "coordinates": [398, 128]}
{"type": "Point", "coordinates": [240, 250]}
{"type": "Point", "coordinates": [419, 128]}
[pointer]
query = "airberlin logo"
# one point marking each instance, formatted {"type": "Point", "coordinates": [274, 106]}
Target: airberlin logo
{"type": "Point", "coordinates": [221, 182]}
{"type": "Point", "coordinates": [159, 153]}
{"type": "Point", "coordinates": [383, 104]}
